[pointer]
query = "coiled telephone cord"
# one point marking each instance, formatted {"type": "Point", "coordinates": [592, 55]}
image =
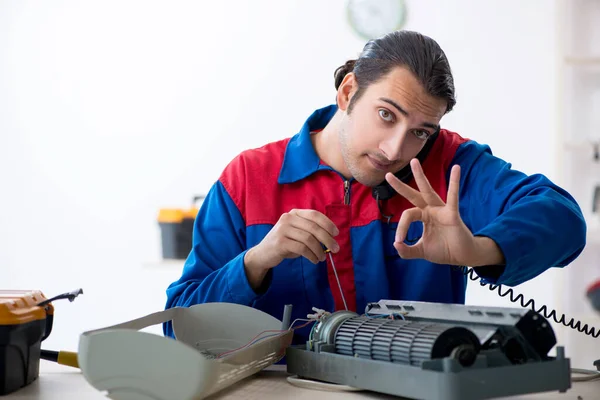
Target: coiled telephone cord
{"type": "Point", "coordinates": [520, 299]}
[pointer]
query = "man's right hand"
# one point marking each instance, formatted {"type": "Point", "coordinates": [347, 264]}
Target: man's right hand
{"type": "Point", "coordinates": [297, 233]}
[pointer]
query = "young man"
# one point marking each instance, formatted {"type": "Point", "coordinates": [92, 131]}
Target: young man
{"type": "Point", "coordinates": [398, 201]}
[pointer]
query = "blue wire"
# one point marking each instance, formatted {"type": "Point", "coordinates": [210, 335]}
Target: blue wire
{"type": "Point", "coordinates": [386, 316]}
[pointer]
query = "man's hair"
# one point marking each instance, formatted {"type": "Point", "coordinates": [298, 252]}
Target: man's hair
{"type": "Point", "coordinates": [418, 53]}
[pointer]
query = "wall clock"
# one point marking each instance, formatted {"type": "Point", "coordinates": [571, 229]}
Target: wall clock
{"type": "Point", "coordinates": [371, 19]}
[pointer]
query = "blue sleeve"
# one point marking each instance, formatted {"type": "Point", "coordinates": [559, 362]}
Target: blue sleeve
{"type": "Point", "coordinates": [536, 224]}
{"type": "Point", "coordinates": [214, 269]}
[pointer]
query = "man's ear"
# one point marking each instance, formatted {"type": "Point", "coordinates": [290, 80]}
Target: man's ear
{"type": "Point", "coordinates": [346, 90]}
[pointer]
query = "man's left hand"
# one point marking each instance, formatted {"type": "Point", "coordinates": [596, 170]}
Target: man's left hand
{"type": "Point", "coordinates": [446, 239]}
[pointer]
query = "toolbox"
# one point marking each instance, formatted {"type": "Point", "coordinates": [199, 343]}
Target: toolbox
{"type": "Point", "coordinates": [26, 318]}
{"type": "Point", "coordinates": [177, 226]}
{"type": "Point", "coordinates": [25, 321]}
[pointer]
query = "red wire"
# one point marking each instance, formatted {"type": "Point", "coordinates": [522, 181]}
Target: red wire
{"type": "Point", "coordinates": [257, 336]}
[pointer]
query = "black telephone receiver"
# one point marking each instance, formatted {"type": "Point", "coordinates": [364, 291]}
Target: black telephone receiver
{"type": "Point", "coordinates": [384, 191]}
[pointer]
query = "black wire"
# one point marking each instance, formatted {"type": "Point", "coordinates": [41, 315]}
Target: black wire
{"type": "Point", "coordinates": [69, 295]}
{"type": "Point", "coordinates": [593, 332]}
{"type": "Point", "coordinates": [388, 217]}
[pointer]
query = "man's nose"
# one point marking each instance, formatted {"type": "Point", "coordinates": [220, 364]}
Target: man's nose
{"type": "Point", "coordinates": [392, 146]}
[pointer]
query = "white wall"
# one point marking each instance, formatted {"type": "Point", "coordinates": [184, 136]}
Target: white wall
{"type": "Point", "coordinates": [112, 110]}
{"type": "Point", "coordinates": [504, 59]}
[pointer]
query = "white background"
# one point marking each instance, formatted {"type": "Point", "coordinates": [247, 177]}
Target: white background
{"type": "Point", "coordinates": [112, 110]}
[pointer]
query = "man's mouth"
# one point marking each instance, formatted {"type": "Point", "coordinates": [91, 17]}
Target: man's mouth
{"type": "Point", "coordinates": [380, 165]}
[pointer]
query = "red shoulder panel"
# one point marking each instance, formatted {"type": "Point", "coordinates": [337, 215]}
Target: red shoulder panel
{"type": "Point", "coordinates": [251, 180]}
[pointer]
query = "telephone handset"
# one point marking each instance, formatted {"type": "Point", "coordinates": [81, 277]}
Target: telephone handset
{"type": "Point", "coordinates": [384, 191]}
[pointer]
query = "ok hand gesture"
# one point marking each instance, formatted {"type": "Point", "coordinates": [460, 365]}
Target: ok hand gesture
{"type": "Point", "coordinates": [446, 239]}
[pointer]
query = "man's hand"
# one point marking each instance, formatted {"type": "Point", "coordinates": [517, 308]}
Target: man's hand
{"type": "Point", "coordinates": [446, 239]}
{"type": "Point", "coordinates": [297, 233]}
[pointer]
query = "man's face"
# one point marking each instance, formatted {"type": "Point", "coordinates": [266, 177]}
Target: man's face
{"type": "Point", "coordinates": [387, 126]}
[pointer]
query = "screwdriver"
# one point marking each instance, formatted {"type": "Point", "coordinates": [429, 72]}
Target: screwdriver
{"type": "Point", "coordinates": [327, 251]}
{"type": "Point", "coordinates": [68, 358]}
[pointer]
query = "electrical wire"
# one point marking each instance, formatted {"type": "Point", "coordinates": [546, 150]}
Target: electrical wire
{"type": "Point", "coordinates": [69, 296]}
{"type": "Point", "coordinates": [520, 299]}
{"type": "Point", "coordinates": [264, 337]}
{"type": "Point", "coordinates": [307, 321]}
{"type": "Point", "coordinates": [274, 332]}
{"type": "Point", "coordinates": [320, 385]}
{"type": "Point", "coordinates": [591, 375]}
{"type": "Point", "coordinates": [312, 332]}
{"type": "Point", "coordinates": [390, 316]}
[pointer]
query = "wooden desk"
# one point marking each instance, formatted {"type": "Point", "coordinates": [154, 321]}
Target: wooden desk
{"type": "Point", "coordinates": [57, 382]}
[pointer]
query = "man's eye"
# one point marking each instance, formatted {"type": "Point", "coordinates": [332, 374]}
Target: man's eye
{"type": "Point", "coordinates": [386, 115]}
{"type": "Point", "coordinates": [423, 135]}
